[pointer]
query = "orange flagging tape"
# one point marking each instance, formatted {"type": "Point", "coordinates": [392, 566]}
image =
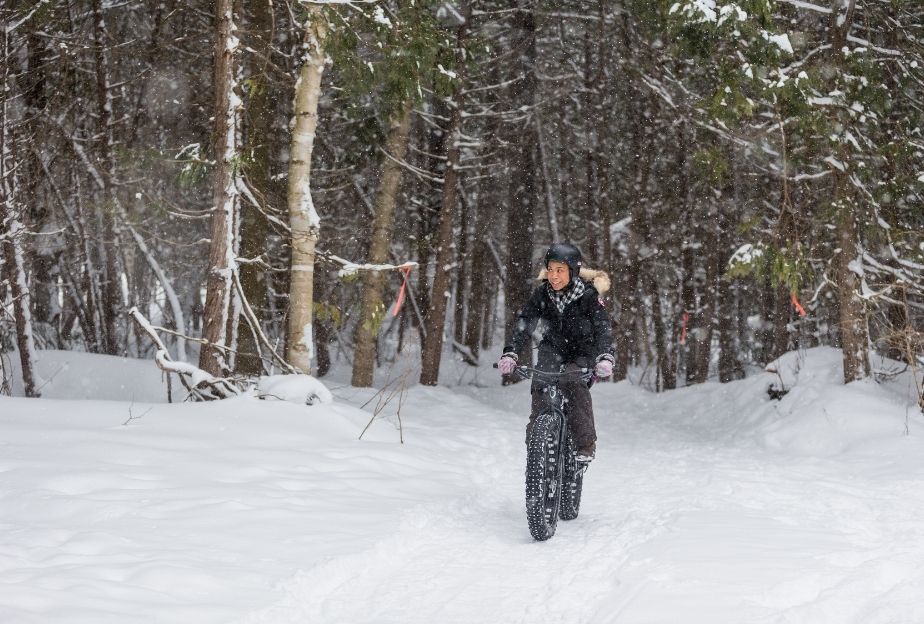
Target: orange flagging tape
{"type": "Point", "coordinates": [406, 271]}
{"type": "Point", "coordinates": [797, 305]}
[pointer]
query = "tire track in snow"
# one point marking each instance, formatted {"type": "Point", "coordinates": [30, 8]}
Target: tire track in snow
{"type": "Point", "coordinates": [472, 548]}
{"type": "Point", "coordinates": [680, 519]}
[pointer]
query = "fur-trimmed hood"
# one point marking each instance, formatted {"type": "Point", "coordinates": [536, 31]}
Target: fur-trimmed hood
{"type": "Point", "coordinates": [599, 279]}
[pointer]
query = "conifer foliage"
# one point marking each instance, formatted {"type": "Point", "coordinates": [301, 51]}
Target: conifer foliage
{"type": "Point", "coordinates": [301, 185]}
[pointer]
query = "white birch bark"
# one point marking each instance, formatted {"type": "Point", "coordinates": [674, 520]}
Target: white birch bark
{"type": "Point", "coordinates": [303, 219]}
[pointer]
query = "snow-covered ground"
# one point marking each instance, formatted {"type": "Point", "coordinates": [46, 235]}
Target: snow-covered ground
{"type": "Point", "coordinates": [710, 504]}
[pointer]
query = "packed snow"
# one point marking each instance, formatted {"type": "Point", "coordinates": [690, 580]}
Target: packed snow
{"type": "Point", "coordinates": [710, 504]}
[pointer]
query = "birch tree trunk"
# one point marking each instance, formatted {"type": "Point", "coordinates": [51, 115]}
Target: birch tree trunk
{"type": "Point", "coordinates": [303, 219]}
{"type": "Point", "coordinates": [372, 308]}
{"type": "Point", "coordinates": [11, 229]}
{"type": "Point", "coordinates": [224, 212]}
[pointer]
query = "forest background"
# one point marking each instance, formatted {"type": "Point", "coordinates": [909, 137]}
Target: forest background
{"type": "Point", "coordinates": [255, 183]}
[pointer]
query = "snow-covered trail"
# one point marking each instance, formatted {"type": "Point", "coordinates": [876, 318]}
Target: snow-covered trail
{"type": "Point", "coordinates": [708, 505]}
{"type": "Point", "coordinates": [683, 519]}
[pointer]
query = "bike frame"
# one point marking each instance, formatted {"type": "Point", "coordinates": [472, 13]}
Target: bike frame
{"type": "Point", "coordinates": [552, 475]}
{"type": "Point", "coordinates": [555, 398]}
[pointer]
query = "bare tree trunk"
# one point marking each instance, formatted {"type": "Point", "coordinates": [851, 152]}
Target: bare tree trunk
{"type": "Point", "coordinates": [436, 319]}
{"type": "Point", "coordinates": [853, 329]}
{"type": "Point", "coordinates": [111, 302]}
{"type": "Point", "coordinates": [260, 140]}
{"type": "Point", "coordinates": [45, 264]}
{"type": "Point", "coordinates": [688, 308]}
{"type": "Point", "coordinates": [372, 309]}
{"type": "Point", "coordinates": [89, 283]}
{"type": "Point", "coordinates": [726, 311]}
{"type": "Point", "coordinates": [854, 337]}
{"type": "Point", "coordinates": [706, 321]}
{"type": "Point", "coordinates": [11, 231]}
{"type": "Point", "coordinates": [729, 367]}
{"type": "Point", "coordinates": [550, 206]}
{"type": "Point", "coordinates": [521, 215]}
{"type": "Point", "coordinates": [428, 213]}
{"type": "Point", "coordinates": [626, 289]}
{"type": "Point", "coordinates": [462, 275]}
{"type": "Point", "coordinates": [481, 261]}
{"type": "Point", "coordinates": [303, 219]}
{"type": "Point", "coordinates": [666, 370]}
{"type": "Point", "coordinates": [325, 331]}
{"type": "Point", "coordinates": [431, 352]}
{"type": "Point", "coordinates": [222, 261]}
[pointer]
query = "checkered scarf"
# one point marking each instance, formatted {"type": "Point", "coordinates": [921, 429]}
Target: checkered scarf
{"type": "Point", "coordinates": [562, 298]}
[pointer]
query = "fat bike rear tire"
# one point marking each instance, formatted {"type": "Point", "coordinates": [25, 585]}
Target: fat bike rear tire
{"type": "Point", "coordinates": [543, 475]}
{"type": "Point", "coordinates": [572, 481]}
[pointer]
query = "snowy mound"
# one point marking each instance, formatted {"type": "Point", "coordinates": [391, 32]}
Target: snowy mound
{"type": "Point", "coordinates": [820, 415]}
{"type": "Point", "coordinates": [78, 375]}
{"type": "Point", "coordinates": [303, 389]}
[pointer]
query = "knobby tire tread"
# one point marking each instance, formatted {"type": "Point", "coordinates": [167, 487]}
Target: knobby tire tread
{"type": "Point", "coordinates": [572, 482]}
{"type": "Point", "coordinates": [543, 473]}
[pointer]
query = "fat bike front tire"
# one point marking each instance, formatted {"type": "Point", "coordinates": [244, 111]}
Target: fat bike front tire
{"type": "Point", "coordinates": [572, 481]}
{"type": "Point", "coordinates": [543, 475]}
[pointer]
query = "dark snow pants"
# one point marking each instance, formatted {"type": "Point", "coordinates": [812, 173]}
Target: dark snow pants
{"type": "Point", "coordinates": [580, 407]}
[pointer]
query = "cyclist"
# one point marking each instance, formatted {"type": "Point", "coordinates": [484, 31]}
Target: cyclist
{"type": "Point", "coordinates": [576, 334]}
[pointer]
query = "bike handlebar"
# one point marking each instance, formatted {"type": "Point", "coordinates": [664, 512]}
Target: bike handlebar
{"type": "Point", "coordinates": [526, 372]}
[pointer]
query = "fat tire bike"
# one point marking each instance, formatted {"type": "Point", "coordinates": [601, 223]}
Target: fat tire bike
{"type": "Point", "coordinates": [554, 477]}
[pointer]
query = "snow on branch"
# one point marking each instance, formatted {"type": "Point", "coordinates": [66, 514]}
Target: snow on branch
{"type": "Point", "coordinates": [202, 386]}
{"type": "Point", "coordinates": [799, 4]}
{"type": "Point", "coordinates": [420, 173]}
{"type": "Point", "coordinates": [14, 25]}
{"type": "Point", "coordinates": [351, 268]}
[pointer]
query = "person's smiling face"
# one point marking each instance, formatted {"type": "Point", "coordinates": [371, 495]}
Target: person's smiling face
{"type": "Point", "coordinates": [558, 274]}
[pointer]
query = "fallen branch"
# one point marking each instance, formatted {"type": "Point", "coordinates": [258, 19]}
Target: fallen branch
{"type": "Point", "coordinates": [200, 385]}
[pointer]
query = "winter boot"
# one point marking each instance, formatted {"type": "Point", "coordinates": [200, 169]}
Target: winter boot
{"type": "Point", "coordinates": [585, 454]}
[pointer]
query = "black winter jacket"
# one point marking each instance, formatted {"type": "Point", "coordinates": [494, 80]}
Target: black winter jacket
{"type": "Point", "coordinates": [580, 334]}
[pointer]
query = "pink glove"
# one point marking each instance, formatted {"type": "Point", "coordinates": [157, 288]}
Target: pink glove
{"type": "Point", "coordinates": [506, 364]}
{"type": "Point", "coordinates": [603, 369]}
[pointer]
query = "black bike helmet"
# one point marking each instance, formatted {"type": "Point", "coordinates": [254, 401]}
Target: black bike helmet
{"type": "Point", "coordinates": [567, 253]}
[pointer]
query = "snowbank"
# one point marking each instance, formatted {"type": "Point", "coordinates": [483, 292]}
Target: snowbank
{"type": "Point", "coordinates": [820, 416]}
{"type": "Point", "coordinates": [78, 375]}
